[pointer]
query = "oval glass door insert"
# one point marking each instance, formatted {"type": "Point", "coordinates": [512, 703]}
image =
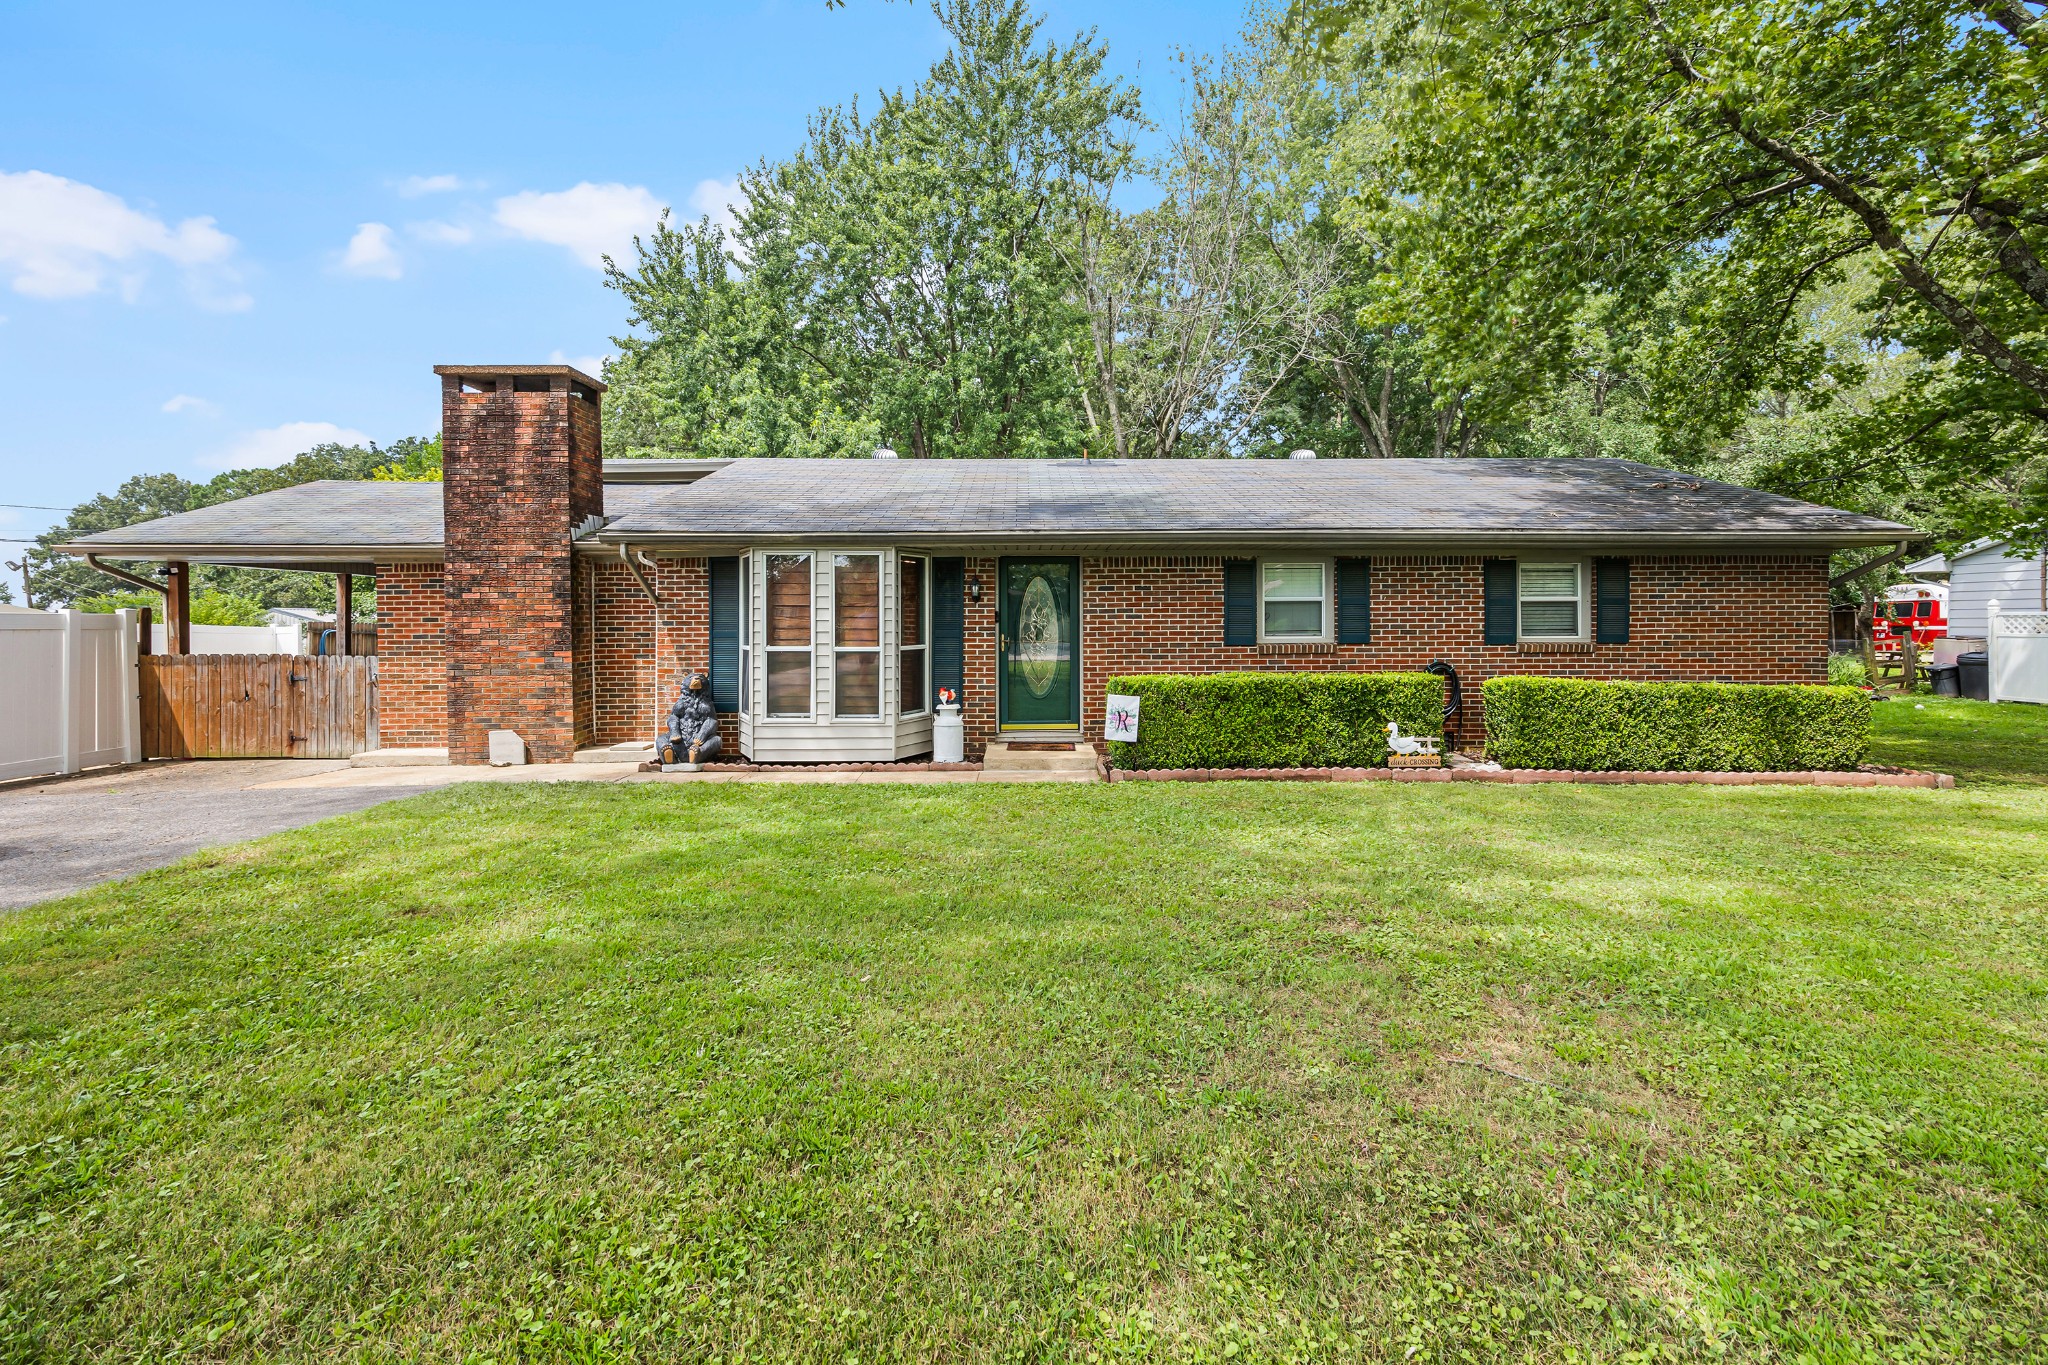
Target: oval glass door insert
{"type": "Point", "coordinates": [1037, 653]}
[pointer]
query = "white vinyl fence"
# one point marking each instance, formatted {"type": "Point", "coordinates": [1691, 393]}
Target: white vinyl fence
{"type": "Point", "coordinates": [68, 691]}
{"type": "Point", "coordinates": [232, 640]}
{"type": "Point", "coordinates": [2018, 644]}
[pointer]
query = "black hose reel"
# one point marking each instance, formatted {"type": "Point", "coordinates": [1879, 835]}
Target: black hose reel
{"type": "Point", "coordinates": [1454, 695]}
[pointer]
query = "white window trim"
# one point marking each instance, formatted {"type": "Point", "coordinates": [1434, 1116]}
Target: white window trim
{"type": "Point", "coordinates": [1585, 613]}
{"type": "Point", "coordinates": [810, 645]}
{"type": "Point", "coordinates": [924, 617]}
{"type": "Point", "coordinates": [883, 582]}
{"type": "Point", "coordinates": [1329, 630]}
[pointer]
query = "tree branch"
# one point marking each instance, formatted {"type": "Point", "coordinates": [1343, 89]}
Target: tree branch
{"type": "Point", "coordinates": [2015, 257]}
{"type": "Point", "coordinates": [1970, 329]}
{"type": "Point", "coordinates": [2012, 16]}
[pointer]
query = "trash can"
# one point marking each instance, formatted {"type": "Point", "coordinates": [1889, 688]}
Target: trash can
{"type": "Point", "coordinates": [1946, 681]}
{"type": "Point", "coordinates": [1974, 674]}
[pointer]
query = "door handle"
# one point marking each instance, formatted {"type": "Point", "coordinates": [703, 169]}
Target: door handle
{"type": "Point", "coordinates": [1005, 640]}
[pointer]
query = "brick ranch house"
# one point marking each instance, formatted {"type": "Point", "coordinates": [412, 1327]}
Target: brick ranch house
{"type": "Point", "coordinates": [543, 589]}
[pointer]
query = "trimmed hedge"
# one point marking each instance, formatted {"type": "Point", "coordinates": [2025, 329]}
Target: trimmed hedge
{"type": "Point", "coordinates": [1673, 727]}
{"type": "Point", "coordinates": [1274, 720]}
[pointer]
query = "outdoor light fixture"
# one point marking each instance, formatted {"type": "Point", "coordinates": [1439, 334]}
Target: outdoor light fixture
{"type": "Point", "coordinates": [974, 589]}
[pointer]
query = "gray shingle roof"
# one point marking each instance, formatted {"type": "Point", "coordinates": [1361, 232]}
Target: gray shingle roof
{"type": "Point", "coordinates": [1207, 500]}
{"type": "Point", "coordinates": [1183, 504]}
{"type": "Point", "coordinates": [330, 517]}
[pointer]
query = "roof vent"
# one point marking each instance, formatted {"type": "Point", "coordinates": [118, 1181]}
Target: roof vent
{"type": "Point", "coordinates": [884, 453]}
{"type": "Point", "coordinates": [1301, 454]}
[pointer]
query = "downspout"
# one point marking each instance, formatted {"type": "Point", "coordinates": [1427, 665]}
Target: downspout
{"type": "Point", "coordinates": [626, 558]}
{"type": "Point", "coordinates": [110, 571]}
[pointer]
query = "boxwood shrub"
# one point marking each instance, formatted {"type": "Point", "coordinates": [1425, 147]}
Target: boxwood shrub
{"type": "Point", "coordinates": [1673, 727]}
{"type": "Point", "coordinates": [1274, 720]}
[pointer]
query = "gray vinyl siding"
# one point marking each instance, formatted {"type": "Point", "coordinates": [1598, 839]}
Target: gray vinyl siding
{"type": "Point", "coordinates": [1975, 579]}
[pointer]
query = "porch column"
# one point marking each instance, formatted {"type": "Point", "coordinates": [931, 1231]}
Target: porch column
{"type": "Point", "coordinates": [178, 606]}
{"type": "Point", "coordinates": [344, 614]}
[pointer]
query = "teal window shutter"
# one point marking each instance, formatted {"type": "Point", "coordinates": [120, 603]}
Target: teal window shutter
{"type": "Point", "coordinates": [949, 625]}
{"type": "Point", "coordinates": [1503, 624]}
{"type": "Point", "coordinates": [1240, 602]}
{"type": "Point", "coordinates": [725, 633]}
{"type": "Point", "coordinates": [1354, 601]}
{"type": "Point", "coordinates": [1610, 601]}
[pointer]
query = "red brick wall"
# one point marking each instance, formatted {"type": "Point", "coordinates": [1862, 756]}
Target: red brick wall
{"type": "Point", "coordinates": [412, 692]}
{"type": "Point", "coordinates": [517, 477]}
{"type": "Point", "coordinates": [1162, 614]}
{"type": "Point", "coordinates": [1165, 615]}
{"type": "Point", "coordinates": [639, 654]}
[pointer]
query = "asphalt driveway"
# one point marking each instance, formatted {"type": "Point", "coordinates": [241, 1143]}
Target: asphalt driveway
{"type": "Point", "coordinates": [63, 835]}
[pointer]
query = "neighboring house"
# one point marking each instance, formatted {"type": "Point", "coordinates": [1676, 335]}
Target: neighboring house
{"type": "Point", "coordinates": [544, 590]}
{"type": "Point", "coordinates": [1983, 572]}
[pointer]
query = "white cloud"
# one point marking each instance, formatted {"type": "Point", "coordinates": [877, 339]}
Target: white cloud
{"type": "Point", "coordinates": [442, 234]}
{"type": "Point", "coordinates": [592, 365]}
{"type": "Point", "coordinates": [185, 402]}
{"type": "Point", "coordinates": [592, 221]}
{"type": "Point", "coordinates": [716, 200]}
{"type": "Point", "coordinates": [63, 239]}
{"type": "Point", "coordinates": [273, 446]}
{"type": "Point", "coordinates": [414, 186]}
{"type": "Point", "coordinates": [371, 255]}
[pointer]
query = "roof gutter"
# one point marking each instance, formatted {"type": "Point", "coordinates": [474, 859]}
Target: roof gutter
{"type": "Point", "coordinates": [1207, 541]}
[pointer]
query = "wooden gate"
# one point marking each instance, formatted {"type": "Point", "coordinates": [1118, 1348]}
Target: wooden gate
{"type": "Point", "coordinates": [257, 705]}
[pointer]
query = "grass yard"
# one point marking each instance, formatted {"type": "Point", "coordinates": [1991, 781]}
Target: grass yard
{"type": "Point", "coordinates": [1153, 1071]}
{"type": "Point", "coordinates": [1975, 740]}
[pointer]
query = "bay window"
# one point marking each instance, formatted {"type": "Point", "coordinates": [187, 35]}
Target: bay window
{"type": "Point", "coordinates": [787, 581]}
{"type": "Point", "coordinates": [857, 635]}
{"type": "Point", "coordinates": [911, 651]}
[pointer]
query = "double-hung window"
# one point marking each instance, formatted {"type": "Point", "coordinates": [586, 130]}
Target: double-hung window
{"type": "Point", "coordinates": [1552, 601]}
{"type": "Point", "coordinates": [911, 650]}
{"type": "Point", "coordinates": [787, 584]}
{"type": "Point", "coordinates": [1294, 600]}
{"type": "Point", "coordinates": [857, 635]}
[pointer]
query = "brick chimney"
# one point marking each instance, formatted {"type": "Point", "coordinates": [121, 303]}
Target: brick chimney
{"type": "Point", "coordinates": [521, 470]}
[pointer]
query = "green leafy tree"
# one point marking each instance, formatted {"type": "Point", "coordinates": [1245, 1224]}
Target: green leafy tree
{"type": "Point", "coordinates": [897, 279]}
{"type": "Point", "coordinates": [1715, 164]}
{"type": "Point", "coordinates": [210, 607]}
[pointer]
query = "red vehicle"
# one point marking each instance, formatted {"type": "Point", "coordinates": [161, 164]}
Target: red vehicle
{"type": "Point", "coordinates": [1920, 610]}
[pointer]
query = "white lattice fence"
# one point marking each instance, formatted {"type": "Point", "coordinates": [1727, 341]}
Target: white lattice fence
{"type": "Point", "coordinates": [2018, 644]}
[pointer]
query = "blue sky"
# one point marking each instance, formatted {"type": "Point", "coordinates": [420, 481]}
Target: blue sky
{"type": "Point", "coordinates": [228, 232]}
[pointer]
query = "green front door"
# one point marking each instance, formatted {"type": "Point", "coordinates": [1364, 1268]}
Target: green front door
{"type": "Point", "coordinates": [1038, 663]}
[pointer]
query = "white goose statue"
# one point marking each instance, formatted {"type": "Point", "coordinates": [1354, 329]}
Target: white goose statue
{"type": "Point", "coordinates": [1409, 744]}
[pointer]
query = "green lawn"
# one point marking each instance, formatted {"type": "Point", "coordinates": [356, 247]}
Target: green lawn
{"type": "Point", "coordinates": [1975, 740]}
{"type": "Point", "coordinates": [1148, 1071]}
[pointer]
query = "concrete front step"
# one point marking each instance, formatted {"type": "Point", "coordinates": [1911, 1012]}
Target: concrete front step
{"type": "Point", "coordinates": [633, 751]}
{"type": "Point", "coordinates": [1005, 757]}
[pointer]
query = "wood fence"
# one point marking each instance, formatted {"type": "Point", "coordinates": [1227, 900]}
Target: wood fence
{"type": "Point", "coordinates": [257, 705]}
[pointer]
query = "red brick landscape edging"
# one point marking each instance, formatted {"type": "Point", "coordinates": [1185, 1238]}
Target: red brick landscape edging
{"type": "Point", "coordinates": [828, 768]}
{"type": "Point", "coordinates": [1532, 775]}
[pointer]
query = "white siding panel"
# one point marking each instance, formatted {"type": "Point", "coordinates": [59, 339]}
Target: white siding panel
{"type": "Point", "coordinates": [1975, 579]}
